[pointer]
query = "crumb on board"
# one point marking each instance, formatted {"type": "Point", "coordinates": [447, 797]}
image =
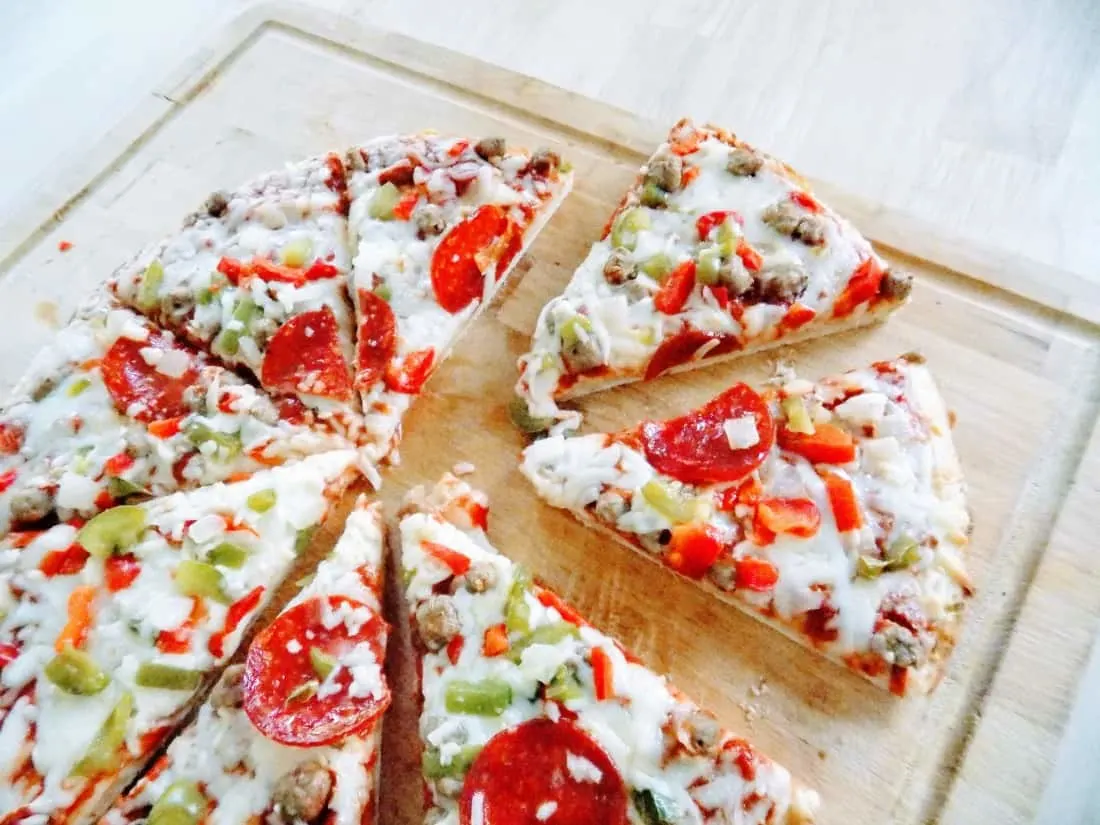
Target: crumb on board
{"type": "Point", "coordinates": [754, 710]}
{"type": "Point", "coordinates": [46, 312]}
{"type": "Point", "coordinates": [463, 468]}
{"type": "Point", "coordinates": [783, 372]}
{"type": "Point", "coordinates": [760, 688]}
{"type": "Point", "coordinates": [750, 710]}
{"type": "Point", "coordinates": [64, 246]}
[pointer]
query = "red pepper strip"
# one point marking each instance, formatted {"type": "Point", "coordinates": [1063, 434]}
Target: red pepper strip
{"type": "Point", "coordinates": [456, 562]}
{"type": "Point", "coordinates": [233, 617]}
{"type": "Point", "coordinates": [602, 674]}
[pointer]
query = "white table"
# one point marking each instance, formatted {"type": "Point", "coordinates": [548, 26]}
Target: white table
{"type": "Point", "coordinates": [980, 117]}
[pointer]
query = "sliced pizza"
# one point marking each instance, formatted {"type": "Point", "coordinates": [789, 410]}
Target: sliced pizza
{"type": "Point", "coordinates": [438, 225]}
{"type": "Point", "coordinates": [835, 512]}
{"type": "Point", "coordinates": [531, 715]}
{"type": "Point", "coordinates": [258, 277]}
{"type": "Point", "coordinates": [115, 409]}
{"type": "Point", "coordinates": [718, 250]}
{"type": "Point", "coordinates": [292, 735]}
{"type": "Point", "coordinates": [111, 627]}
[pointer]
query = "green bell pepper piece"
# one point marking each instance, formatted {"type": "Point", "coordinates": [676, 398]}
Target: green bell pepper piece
{"type": "Point", "coordinates": [75, 672]}
{"type": "Point", "coordinates": [77, 387]}
{"type": "Point", "coordinates": [627, 226]}
{"type": "Point", "coordinates": [102, 755]}
{"type": "Point", "coordinates": [381, 206]}
{"type": "Point", "coordinates": [517, 613]}
{"type": "Point", "coordinates": [322, 663]}
{"type": "Point", "coordinates": [112, 531]}
{"type": "Point", "coordinates": [198, 434]}
{"type": "Point", "coordinates": [460, 762]}
{"type": "Point", "coordinates": [228, 555]}
{"type": "Point", "coordinates": [524, 421]}
{"type": "Point", "coordinates": [150, 286]}
{"type": "Point", "coordinates": [167, 677]}
{"type": "Point", "coordinates": [197, 578]}
{"type": "Point", "coordinates": [549, 634]}
{"type": "Point", "coordinates": [182, 803]}
{"type": "Point", "coordinates": [489, 697]}
{"type": "Point", "coordinates": [261, 501]}
{"type": "Point", "coordinates": [302, 540]}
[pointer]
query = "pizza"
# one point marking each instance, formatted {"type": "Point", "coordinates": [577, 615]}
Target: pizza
{"type": "Point", "coordinates": [532, 715]}
{"type": "Point", "coordinates": [439, 223]}
{"type": "Point", "coordinates": [111, 627]}
{"type": "Point", "coordinates": [114, 409]}
{"type": "Point", "coordinates": [716, 251]}
{"type": "Point", "coordinates": [836, 511]}
{"type": "Point", "coordinates": [258, 277]}
{"type": "Point", "coordinates": [292, 734]}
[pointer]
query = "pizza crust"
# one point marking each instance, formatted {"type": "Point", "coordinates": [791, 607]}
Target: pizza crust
{"type": "Point", "coordinates": [880, 313]}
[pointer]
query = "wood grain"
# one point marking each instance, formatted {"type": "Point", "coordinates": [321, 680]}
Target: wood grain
{"type": "Point", "coordinates": [1022, 379]}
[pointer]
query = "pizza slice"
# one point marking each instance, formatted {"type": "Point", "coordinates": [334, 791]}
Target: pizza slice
{"type": "Point", "coordinates": [718, 250]}
{"type": "Point", "coordinates": [531, 715]}
{"type": "Point", "coordinates": [293, 734]}
{"type": "Point", "coordinates": [835, 512]}
{"type": "Point", "coordinates": [115, 409]}
{"type": "Point", "coordinates": [258, 277]}
{"type": "Point", "coordinates": [438, 224]}
{"type": "Point", "coordinates": [112, 627]}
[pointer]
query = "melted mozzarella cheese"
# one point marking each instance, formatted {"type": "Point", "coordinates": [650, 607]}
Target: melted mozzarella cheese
{"type": "Point", "coordinates": [126, 624]}
{"type": "Point", "coordinates": [629, 729]}
{"type": "Point", "coordinates": [630, 330]}
{"type": "Point", "coordinates": [236, 765]}
{"type": "Point", "coordinates": [896, 475]}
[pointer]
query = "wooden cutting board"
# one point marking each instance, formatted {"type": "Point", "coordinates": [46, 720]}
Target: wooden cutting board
{"type": "Point", "coordinates": [1022, 376]}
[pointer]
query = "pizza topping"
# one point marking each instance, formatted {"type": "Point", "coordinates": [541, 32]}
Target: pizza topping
{"type": "Point", "coordinates": [842, 499]}
{"type": "Point", "coordinates": [275, 669]}
{"type": "Point", "coordinates": [140, 388]}
{"type": "Point", "coordinates": [480, 577]}
{"type": "Point", "coordinates": [437, 622]}
{"type": "Point", "coordinates": [756, 574]}
{"type": "Point", "coordinates": [679, 349]}
{"type": "Point", "coordinates": [197, 578]}
{"type": "Point", "coordinates": [80, 608]}
{"type": "Point", "coordinates": [63, 562]}
{"type": "Point", "coordinates": [674, 502]}
{"type": "Point", "coordinates": [826, 444]}
{"type": "Point", "coordinates": [103, 755]}
{"type": "Point", "coordinates": [167, 677]}
{"type": "Point", "coordinates": [545, 162]}
{"type": "Point", "coordinates": [377, 340]}
{"type": "Point", "coordinates": [861, 288]}
{"type": "Point", "coordinates": [694, 448]}
{"type": "Point", "coordinates": [491, 149]}
{"type": "Point", "coordinates": [796, 516]}
{"type": "Point", "coordinates": [488, 697]}
{"type": "Point", "coordinates": [619, 267]}
{"type": "Point", "coordinates": [780, 282]}
{"type": "Point", "coordinates": [303, 794]}
{"type": "Point", "coordinates": [409, 377]}
{"type": "Point", "coordinates": [741, 432]}
{"type": "Point", "coordinates": [895, 286]}
{"type": "Point", "coordinates": [676, 290]}
{"type": "Point", "coordinates": [75, 672]}
{"type": "Point", "coordinates": [625, 228]}
{"type": "Point", "coordinates": [261, 501]}
{"type": "Point", "coordinates": [665, 171]}
{"type": "Point", "coordinates": [579, 347]}
{"type": "Point", "coordinates": [788, 218]}
{"type": "Point", "coordinates": [495, 641]}
{"type": "Point", "coordinates": [693, 549]}
{"type": "Point", "coordinates": [539, 761]}
{"type": "Point", "coordinates": [182, 803]}
{"type": "Point", "coordinates": [234, 616]}
{"type": "Point", "coordinates": [547, 634]}
{"type": "Point", "coordinates": [743, 162]}
{"type": "Point", "coordinates": [304, 355]}
{"type": "Point", "coordinates": [467, 255]}
{"type": "Point", "coordinates": [227, 554]}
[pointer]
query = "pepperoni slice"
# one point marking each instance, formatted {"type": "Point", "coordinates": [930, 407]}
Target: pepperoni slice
{"type": "Point", "coordinates": [694, 448]}
{"type": "Point", "coordinates": [680, 348]}
{"type": "Point", "coordinates": [131, 380]}
{"type": "Point", "coordinates": [304, 356]}
{"type": "Point", "coordinates": [467, 254]}
{"type": "Point", "coordinates": [522, 768]}
{"type": "Point", "coordinates": [274, 676]}
{"type": "Point", "coordinates": [377, 339]}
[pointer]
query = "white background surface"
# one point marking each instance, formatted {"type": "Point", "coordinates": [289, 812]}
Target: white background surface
{"type": "Point", "coordinates": [981, 117]}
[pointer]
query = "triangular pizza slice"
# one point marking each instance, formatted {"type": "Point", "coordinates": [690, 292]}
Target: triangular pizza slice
{"type": "Point", "coordinates": [115, 409]}
{"type": "Point", "coordinates": [438, 224]}
{"type": "Point", "coordinates": [531, 715]}
{"type": "Point", "coordinates": [835, 512]}
{"type": "Point", "coordinates": [293, 734]}
{"type": "Point", "coordinates": [718, 250]}
{"type": "Point", "coordinates": [112, 627]}
{"type": "Point", "coordinates": [258, 277]}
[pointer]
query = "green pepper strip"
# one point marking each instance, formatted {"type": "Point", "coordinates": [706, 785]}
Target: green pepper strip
{"type": "Point", "coordinates": [489, 697]}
